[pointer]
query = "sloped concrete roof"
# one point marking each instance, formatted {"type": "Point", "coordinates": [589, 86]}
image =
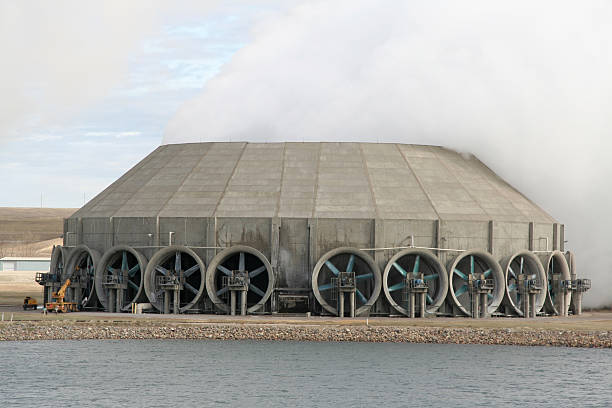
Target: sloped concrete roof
{"type": "Point", "coordinates": [302, 180]}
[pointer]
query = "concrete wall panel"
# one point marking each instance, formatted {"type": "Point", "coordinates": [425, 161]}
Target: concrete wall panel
{"type": "Point", "coordinates": [97, 233]}
{"type": "Point", "coordinates": [71, 227]}
{"type": "Point", "coordinates": [542, 232]}
{"type": "Point", "coordinates": [509, 238]}
{"type": "Point", "coordinates": [134, 231]}
{"type": "Point", "coordinates": [253, 232]}
{"type": "Point", "coordinates": [187, 231]}
{"type": "Point", "coordinates": [294, 267]}
{"type": "Point", "coordinates": [334, 233]}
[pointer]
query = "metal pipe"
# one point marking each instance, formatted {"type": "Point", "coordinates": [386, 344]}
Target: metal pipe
{"type": "Point", "coordinates": [189, 246]}
{"type": "Point", "coordinates": [341, 304]}
{"type": "Point", "coordinates": [415, 247]}
{"type": "Point", "coordinates": [352, 300]}
{"type": "Point", "coordinates": [411, 304]}
{"type": "Point", "coordinates": [170, 234]}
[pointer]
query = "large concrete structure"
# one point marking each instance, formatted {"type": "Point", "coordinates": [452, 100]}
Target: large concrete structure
{"type": "Point", "coordinates": [331, 228]}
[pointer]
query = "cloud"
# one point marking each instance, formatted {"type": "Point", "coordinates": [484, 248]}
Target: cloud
{"type": "Point", "coordinates": [113, 134]}
{"type": "Point", "coordinates": [523, 85]}
{"type": "Point", "coordinates": [62, 56]}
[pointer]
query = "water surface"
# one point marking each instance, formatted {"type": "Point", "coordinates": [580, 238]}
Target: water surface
{"type": "Point", "coordinates": [145, 373]}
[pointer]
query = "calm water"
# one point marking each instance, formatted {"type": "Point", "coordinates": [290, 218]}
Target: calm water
{"type": "Point", "coordinates": [286, 374]}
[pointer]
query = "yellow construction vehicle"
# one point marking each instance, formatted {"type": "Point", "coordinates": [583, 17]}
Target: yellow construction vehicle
{"type": "Point", "coordinates": [59, 306]}
{"type": "Point", "coordinates": [29, 303]}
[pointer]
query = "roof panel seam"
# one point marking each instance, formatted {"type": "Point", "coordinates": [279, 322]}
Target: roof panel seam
{"type": "Point", "coordinates": [316, 191]}
{"type": "Point", "coordinates": [460, 183]}
{"type": "Point", "coordinates": [282, 180]}
{"type": "Point", "coordinates": [367, 174]}
{"type": "Point", "coordinates": [229, 179]}
{"type": "Point", "coordinates": [178, 188]}
{"type": "Point", "coordinates": [418, 181]}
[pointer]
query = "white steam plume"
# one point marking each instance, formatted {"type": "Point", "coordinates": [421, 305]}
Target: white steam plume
{"type": "Point", "coordinates": [524, 85]}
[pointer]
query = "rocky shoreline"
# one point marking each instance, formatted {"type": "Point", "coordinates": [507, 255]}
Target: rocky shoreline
{"type": "Point", "coordinates": [28, 330]}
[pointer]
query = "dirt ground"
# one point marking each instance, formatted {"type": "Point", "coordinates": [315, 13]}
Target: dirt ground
{"type": "Point", "coordinates": [15, 285]}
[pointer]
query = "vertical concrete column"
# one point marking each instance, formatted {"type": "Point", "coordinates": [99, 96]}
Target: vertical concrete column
{"type": "Point", "coordinates": [111, 300]}
{"type": "Point", "coordinates": [312, 258]}
{"type": "Point", "coordinates": [233, 302]}
{"type": "Point", "coordinates": [378, 241]}
{"type": "Point", "coordinates": [177, 299]}
{"type": "Point", "coordinates": [65, 234]}
{"type": "Point", "coordinates": [411, 303]}
{"type": "Point", "coordinates": [243, 303]}
{"type": "Point", "coordinates": [562, 238]}
{"type": "Point", "coordinates": [110, 236]}
{"type": "Point", "coordinates": [79, 231]}
{"type": "Point", "coordinates": [76, 297]}
{"type": "Point", "coordinates": [157, 229]}
{"type": "Point", "coordinates": [532, 310]}
{"type": "Point", "coordinates": [211, 239]}
{"type": "Point", "coordinates": [352, 301]}
{"type": "Point", "coordinates": [274, 257]}
{"type": "Point", "coordinates": [166, 301]}
{"type": "Point", "coordinates": [341, 304]}
{"type": "Point", "coordinates": [438, 238]}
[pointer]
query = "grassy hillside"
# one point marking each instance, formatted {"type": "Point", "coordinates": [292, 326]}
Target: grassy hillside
{"type": "Point", "coordinates": [31, 231]}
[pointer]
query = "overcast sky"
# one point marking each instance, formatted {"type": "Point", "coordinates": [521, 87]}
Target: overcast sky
{"type": "Point", "coordinates": [89, 88]}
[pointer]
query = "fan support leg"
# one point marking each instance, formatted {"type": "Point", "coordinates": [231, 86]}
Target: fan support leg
{"type": "Point", "coordinates": [111, 301]}
{"type": "Point", "coordinates": [243, 302]}
{"type": "Point", "coordinates": [233, 302]}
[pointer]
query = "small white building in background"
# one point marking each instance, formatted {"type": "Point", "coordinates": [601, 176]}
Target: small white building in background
{"type": "Point", "coordinates": [24, 263]}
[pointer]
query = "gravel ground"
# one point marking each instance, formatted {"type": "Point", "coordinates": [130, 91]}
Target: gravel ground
{"type": "Point", "coordinates": [28, 330]}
